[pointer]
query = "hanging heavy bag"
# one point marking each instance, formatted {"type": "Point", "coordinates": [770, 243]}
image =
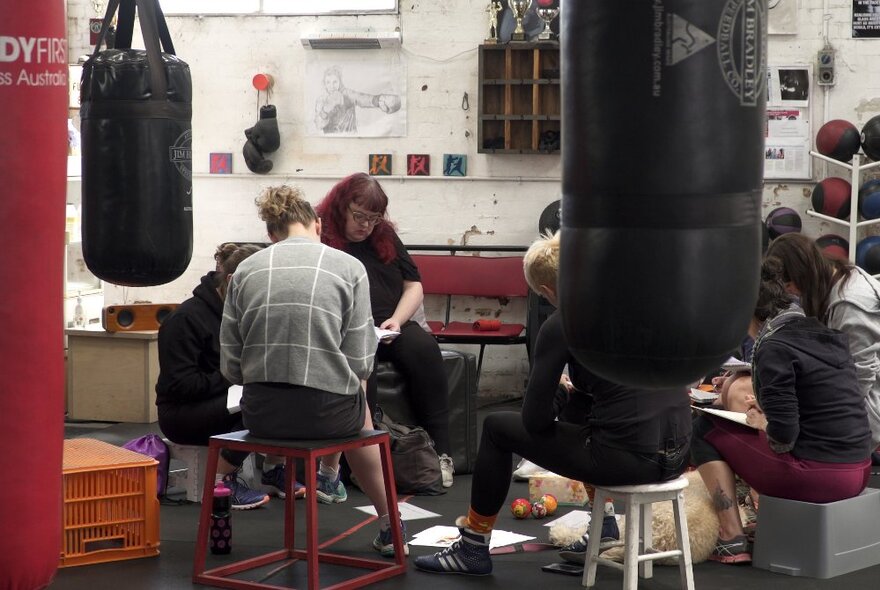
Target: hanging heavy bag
{"type": "Point", "coordinates": [33, 117]}
{"type": "Point", "coordinates": [136, 111]}
{"type": "Point", "coordinates": [662, 170]}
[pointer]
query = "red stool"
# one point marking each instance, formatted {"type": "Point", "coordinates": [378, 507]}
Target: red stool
{"type": "Point", "coordinates": [309, 451]}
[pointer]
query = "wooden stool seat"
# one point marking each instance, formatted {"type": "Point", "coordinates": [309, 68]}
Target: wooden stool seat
{"type": "Point", "coordinates": [309, 451]}
{"type": "Point", "coordinates": [638, 551]}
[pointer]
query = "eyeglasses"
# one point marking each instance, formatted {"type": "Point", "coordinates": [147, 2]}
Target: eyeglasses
{"type": "Point", "coordinates": [363, 218]}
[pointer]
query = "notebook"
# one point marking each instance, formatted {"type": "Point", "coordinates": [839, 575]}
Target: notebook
{"type": "Point", "coordinates": [738, 417]}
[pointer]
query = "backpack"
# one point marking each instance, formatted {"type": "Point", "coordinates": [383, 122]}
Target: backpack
{"type": "Point", "coordinates": [153, 446]}
{"type": "Point", "coordinates": [416, 463]}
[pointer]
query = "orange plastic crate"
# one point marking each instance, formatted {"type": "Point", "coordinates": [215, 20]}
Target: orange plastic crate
{"type": "Point", "coordinates": [110, 510]}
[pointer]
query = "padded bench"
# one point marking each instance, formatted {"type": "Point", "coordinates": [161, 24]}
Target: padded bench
{"type": "Point", "coordinates": [465, 275]}
{"type": "Point", "coordinates": [461, 371]}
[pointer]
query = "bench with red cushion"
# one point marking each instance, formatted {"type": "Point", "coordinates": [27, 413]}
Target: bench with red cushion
{"type": "Point", "coordinates": [466, 275]}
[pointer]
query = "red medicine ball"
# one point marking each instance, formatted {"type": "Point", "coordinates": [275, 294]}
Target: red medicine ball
{"type": "Point", "coordinates": [832, 197]}
{"type": "Point", "coordinates": [838, 139]}
{"type": "Point", "coordinates": [834, 246]}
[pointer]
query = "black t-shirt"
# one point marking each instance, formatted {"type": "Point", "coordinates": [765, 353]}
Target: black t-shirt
{"type": "Point", "coordinates": [386, 280]}
{"type": "Point", "coordinates": [623, 417]}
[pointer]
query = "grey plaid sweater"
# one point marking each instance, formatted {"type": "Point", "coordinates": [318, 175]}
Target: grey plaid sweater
{"type": "Point", "coordinates": [299, 312]}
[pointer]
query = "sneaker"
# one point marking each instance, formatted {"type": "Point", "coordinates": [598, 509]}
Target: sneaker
{"type": "Point", "coordinates": [384, 544]}
{"type": "Point", "coordinates": [526, 469]}
{"type": "Point", "coordinates": [447, 468]}
{"type": "Point", "coordinates": [330, 491]}
{"type": "Point", "coordinates": [577, 552]}
{"type": "Point", "coordinates": [275, 482]}
{"type": "Point", "coordinates": [243, 496]}
{"type": "Point", "coordinates": [737, 550]}
{"type": "Point", "coordinates": [469, 555]}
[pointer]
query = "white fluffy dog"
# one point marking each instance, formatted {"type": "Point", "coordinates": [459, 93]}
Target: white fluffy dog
{"type": "Point", "coordinates": [701, 519]}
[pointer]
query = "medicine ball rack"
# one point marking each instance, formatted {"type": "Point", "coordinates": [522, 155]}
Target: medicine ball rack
{"type": "Point", "coordinates": [853, 224]}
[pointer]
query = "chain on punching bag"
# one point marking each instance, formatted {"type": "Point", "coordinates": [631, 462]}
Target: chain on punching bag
{"type": "Point", "coordinates": [33, 121]}
{"type": "Point", "coordinates": [662, 175]}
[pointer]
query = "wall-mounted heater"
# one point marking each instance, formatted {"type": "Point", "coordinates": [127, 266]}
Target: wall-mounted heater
{"type": "Point", "coordinates": [351, 40]}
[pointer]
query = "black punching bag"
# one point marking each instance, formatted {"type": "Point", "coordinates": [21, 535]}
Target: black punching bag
{"type": "Point", "coordinates": [136, 111]}
{"type": "Point", "coordinates": [663, 131]}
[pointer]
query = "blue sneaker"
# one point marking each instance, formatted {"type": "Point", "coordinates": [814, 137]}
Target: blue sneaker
{"type": "Point", "coordinates": [330, 491]}
{"type": "Point", "coordinates": [384, 544]}
{"type": "Point", "coordinates": [469, 556]}
{"type": "Point", "coordinates": [577, 552]}
{"type": "Point", "coordinates": [243, 496]}
{"type": "Point", "coordinates": [275, 482]}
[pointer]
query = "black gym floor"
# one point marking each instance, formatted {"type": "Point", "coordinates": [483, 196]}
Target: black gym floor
{"type": "Point", "coordinates": [259, 531]}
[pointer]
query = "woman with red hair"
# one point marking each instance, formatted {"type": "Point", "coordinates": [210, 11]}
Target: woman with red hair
{"type": "Point", "coordinates": [354, 220]}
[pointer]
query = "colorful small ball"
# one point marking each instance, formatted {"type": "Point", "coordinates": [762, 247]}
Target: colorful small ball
{"type": "Point", "coordinates": [550, 503]}
{"type": "Point", "coordinates": [521, 508]}
{"type": "Point", "coordinates": [539, 510]}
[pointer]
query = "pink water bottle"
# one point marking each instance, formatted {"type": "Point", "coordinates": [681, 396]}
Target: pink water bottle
{"type": "Point", "coordinates": [220, 542]}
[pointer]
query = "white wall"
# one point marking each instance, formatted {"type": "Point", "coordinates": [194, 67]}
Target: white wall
{"type": "Point", "coordinates": [854, 97]}
{"type": "Point", "coordinates": [501, 199]}
{"type": "Point", "coordinates": [498, 203]}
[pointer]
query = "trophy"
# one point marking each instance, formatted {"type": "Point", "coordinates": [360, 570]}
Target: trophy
{"type": "Point", "coordinates": [547, 15]}
{"type": "Point", "coordinates": [518, 8]}
{"type": "Point", "coordinates": [493, 9]}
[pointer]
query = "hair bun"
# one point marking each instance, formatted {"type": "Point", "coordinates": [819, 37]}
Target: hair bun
{"type": "Point", "coordinates": [771, 269]}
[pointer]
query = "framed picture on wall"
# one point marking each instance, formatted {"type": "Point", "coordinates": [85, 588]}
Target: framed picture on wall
{"type": "Point", "coordinates": [788, 138]}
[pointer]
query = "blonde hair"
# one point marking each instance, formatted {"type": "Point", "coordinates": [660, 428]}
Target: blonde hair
{"type": "Point", "coordinates": [282, 206]}
{"type": "Point", "coordinates": [541, 262]}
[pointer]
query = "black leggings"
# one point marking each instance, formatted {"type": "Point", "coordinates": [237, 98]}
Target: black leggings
{"type": "Point", "coordinates": [564, 449]}
{"type": "Point", "coordinates": [194, 423]}
{"type": "Point", "coordinates": [416, 355]}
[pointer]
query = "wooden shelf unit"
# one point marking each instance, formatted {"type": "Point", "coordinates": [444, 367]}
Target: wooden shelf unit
{"type": "Point", "coordinates": [520, 97]}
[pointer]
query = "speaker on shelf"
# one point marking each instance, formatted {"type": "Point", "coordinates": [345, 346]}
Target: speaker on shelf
{"type": "Point", "coordinates": [136, 317]}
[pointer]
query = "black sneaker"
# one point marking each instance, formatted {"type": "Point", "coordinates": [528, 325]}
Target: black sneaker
{"type": "Point", "coordinates": [737, 550]}
{"type": "Point", "coordinates": [469, 556]}
{"type": "Point", "coordinates": [577, 551]}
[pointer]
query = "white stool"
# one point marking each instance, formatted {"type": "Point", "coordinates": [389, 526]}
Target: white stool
{"type": "Point", "coordinates": [638, 552]}
{"type": "Point", "coordinates": [190, 473]}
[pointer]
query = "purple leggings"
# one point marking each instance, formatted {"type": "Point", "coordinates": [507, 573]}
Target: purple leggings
{"type": "Point", "coordinates": [780, 474]}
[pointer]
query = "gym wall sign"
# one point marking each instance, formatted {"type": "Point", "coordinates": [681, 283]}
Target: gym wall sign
{"type": "Point", "coordinates": [40, 61]}
{"type": "Point", "coordinates": [741, 52]}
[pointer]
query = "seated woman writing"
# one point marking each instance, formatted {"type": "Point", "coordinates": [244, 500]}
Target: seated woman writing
{"type": "Point", "coordinates": [809, 438]}
{"type": "Point", "coordinates": [355, 220]}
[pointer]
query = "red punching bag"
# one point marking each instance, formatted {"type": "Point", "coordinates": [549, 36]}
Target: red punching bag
{"type": "Point", "coordinates": [33, 144]}
{"type": "Point", "coordinates": [662, 166]}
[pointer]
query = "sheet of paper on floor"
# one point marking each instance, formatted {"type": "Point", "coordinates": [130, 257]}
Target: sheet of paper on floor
{"type": "Point", "coordinates": [407, 511]}
{"type": "Point", "coordinates": [575, 518]}
{"type": "Point", "coordinates": [444, 536]}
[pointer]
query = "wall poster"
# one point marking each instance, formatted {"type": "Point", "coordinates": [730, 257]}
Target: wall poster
{"type": "Point", "coordinates": [788, 135]}
{"type": "Point", "coordinates": [866, 19]}
{"type": "Point", "coordinates": [357, 94]}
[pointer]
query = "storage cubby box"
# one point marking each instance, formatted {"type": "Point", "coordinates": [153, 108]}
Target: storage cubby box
{"type": "Point", "coordinates": [520, 97]}
{"type": "Point", "coordinates": [818, 540]}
